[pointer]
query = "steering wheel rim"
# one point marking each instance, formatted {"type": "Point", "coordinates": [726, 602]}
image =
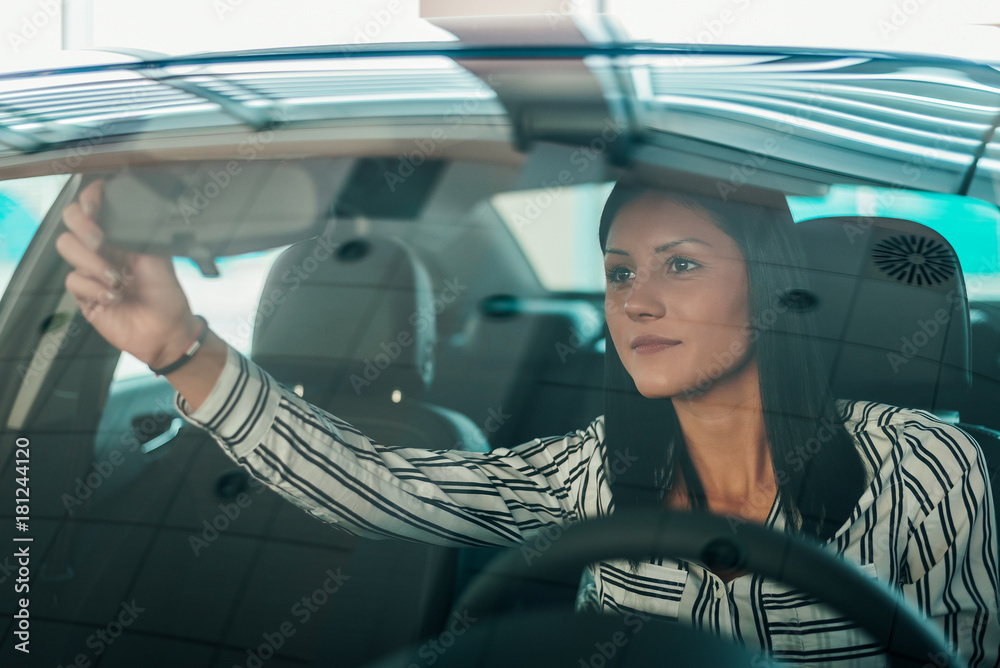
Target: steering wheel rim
{"type": "Point", "coordinates": [719, 542]}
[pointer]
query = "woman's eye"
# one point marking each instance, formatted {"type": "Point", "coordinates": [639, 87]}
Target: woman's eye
{"type": "Point", "coordinates": [681, 265]}
{"type": "Point", "coordinates": [617, 275]}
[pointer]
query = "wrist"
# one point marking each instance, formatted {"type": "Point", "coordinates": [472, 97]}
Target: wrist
{"type": "Point", "coordinates": [178, 341]}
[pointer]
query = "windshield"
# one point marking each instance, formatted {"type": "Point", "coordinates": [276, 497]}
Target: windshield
{"type": "Point", "coordinates": [293, 345]}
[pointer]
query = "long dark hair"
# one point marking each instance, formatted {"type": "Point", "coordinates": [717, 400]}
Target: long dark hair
{"type": "Point", "coordinates": [818, 470]}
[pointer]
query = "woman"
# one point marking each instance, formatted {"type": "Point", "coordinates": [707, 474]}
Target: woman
{"type": "Point", "coordinates": [708, 404]}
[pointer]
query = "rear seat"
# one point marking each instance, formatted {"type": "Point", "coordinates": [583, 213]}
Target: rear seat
{"type": "Point", "coordinates": [544, 358]}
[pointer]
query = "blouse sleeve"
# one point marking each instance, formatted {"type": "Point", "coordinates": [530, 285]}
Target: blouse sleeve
{"type": "Point", "coordinates": [951, 553]}
{"type": "Point", "coordinates": [334, 472]}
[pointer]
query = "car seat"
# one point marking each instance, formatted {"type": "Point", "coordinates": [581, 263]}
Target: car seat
{"type": "Point", "coordinates": [889, 308]}
{"type": "Point", "coordinates": [352, 331]}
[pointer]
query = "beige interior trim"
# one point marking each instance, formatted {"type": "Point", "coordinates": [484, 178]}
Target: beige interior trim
{"type": "Point", "coordinates": [479, 140]}
{"type": "Point", "coordinates": [49, 346]}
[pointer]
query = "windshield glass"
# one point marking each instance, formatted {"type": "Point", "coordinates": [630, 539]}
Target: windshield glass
{"type": "Point", "coordinates": [301, 343]}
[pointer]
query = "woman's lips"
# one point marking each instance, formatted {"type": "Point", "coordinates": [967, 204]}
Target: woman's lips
{"type": "Point", "coordinates": [648, 343]}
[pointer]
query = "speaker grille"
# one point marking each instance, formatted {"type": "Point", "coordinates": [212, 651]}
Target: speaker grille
{"type": "Point", "coordinates": [914, 260]}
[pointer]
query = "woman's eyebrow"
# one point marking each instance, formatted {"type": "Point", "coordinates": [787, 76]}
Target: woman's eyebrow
{"type": "Point", "coordinates": [664, 247]}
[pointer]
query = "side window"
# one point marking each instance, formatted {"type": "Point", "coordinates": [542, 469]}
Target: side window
{"type": "Point", "coordinates": [557, 229]}
{"type": "Point", "coordinates": [228, 301]}
{"type": "Point", "coordinates": [23, 204]}
{"type": "Point", "coordinates": [140, 406]}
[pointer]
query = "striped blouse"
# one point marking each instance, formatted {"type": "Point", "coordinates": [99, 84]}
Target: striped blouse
{"type": "Point", "coordinates": [925, 523]}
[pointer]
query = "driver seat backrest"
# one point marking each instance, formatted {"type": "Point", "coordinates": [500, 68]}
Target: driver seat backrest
{"type": "Point", "coordinates": [887, 300]}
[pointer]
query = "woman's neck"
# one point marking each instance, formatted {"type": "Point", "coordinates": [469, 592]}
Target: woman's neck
{"type": "Point", "coordinates": [724, 433]}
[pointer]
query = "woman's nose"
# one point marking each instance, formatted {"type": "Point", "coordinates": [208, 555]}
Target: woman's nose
{"type": "Point", "coordinates": [643, 300]}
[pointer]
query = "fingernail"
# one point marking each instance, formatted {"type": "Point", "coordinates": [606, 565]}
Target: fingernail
{"type": "Point", "coordinates": [114, 277]}
{"type": "Point", "coordinates": [110, 296]}
{"type": "Point", "coordinates": [89, 208]}
{"type": "Point", "coordinates": [95, 239]}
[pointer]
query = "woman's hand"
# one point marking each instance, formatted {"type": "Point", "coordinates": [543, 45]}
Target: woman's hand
{"type": "Point", "coordinates": [133, 300]}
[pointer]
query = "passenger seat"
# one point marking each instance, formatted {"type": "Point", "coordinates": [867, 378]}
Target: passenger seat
{"type": "Point", "coordinates": [353, 332]}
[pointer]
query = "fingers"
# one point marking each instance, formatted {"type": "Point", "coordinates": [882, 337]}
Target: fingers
{"type": "Point", "coordinates": [87, 289]}
{"type": "Point", "coordinates": [81, 247]}
{"type": "Point", "coordinates": [81, 216]}
{"type": "Point", "coordinates": [90, 198]}
{"type": "Point", "coordinates": [92, 295]}
{"type": "Point", "coordinates": [86, 260]}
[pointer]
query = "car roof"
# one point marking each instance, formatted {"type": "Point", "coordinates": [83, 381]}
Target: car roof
{"type": "Point", "coordinates": [793, 120]}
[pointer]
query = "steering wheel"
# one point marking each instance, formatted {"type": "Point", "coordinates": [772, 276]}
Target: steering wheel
{"type": "Point", "coordinates": [569, 639]}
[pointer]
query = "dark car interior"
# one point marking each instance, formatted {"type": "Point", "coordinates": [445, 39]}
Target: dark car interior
{"type": "Point", "coordinates": [426, 324]}
{"type": "Point", "coordinates": [421, 329]}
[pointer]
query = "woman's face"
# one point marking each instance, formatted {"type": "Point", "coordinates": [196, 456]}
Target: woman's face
{"type": "Point", "coordinates": [677, 298]}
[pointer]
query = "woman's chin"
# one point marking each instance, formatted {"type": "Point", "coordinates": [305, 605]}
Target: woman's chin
{"type": "Point", "coordinates": [660, 390]}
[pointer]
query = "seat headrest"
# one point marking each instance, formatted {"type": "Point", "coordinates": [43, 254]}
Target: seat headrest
{"type": "Point", "coordinates": [890, 310]}
{"type": "Point", "coordinates": [356, 319]}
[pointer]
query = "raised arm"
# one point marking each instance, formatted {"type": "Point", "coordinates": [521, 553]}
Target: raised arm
{"type": "Point", "coordinates": [314, 459]}
{"type": "Point", "coordinates": [337, 474]}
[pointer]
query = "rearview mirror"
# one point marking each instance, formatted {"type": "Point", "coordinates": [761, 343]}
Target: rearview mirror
{"type": "Point", "coordinates": [210, 209]}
